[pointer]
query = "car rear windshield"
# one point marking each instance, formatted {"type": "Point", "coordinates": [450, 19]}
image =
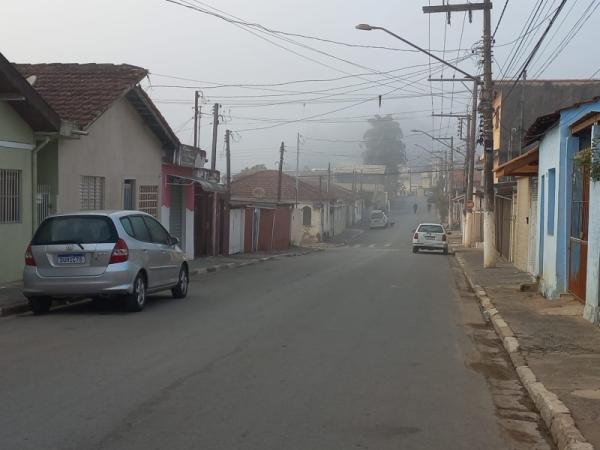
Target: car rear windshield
{"type": "Point", "coordinates": [76, 230]}
{"type": "Point", "coordinates": [430, 229]}
{"type": "Point", "coordinates": [376, 215]}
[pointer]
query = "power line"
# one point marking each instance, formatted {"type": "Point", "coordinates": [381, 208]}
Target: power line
{"type": "Point", "coordinates": [500, 19]}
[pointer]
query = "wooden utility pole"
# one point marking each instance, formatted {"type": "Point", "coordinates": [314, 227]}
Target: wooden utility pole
{"type": "Point", "coordinates": [489, 256]}
{"type": "Point", "coordinates": [197, 112]}
{"type": "Point", "coordinates": [281, 151]}
{"type": "Point", "coordinates": [213, 153]}
{"type": "Point", "coordinates": [228, 157]}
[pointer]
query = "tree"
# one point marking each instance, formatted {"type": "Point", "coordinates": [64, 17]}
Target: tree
{"type": "Point", "coordinates": [383, 145]}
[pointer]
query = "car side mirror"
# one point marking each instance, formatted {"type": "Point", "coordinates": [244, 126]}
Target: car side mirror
{"type": "Point", "coordinates": [173, 240]}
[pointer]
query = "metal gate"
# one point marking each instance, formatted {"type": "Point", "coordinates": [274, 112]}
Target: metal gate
{"type": "Point", "coordinates": [578, 238]}
{"type": "Point", "coordinates": [45, 202]}
{"type": "Point", "coordinates": [236, 231]}
{"type": "Point", "coordinates": [177, 213]}
{"type": "Point", "coordinates": [503, 215]}
{"type": "Point", "coordinates": [533, 228]}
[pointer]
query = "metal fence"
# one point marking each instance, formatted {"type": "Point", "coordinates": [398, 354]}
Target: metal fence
{"type": "Point", "coordinates": [10, 196]}
{"type": "Point", "coordinates": [45, 202]}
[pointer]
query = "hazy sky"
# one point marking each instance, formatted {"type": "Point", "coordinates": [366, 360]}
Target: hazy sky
{"type": "Point", "coordinates": [173, 42]}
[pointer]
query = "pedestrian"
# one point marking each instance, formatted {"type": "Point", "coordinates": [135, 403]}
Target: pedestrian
{"type": "Point", "coordinates": [415, 207]}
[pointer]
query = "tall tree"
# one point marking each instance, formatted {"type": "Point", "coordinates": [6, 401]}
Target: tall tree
{"type": "Point", "coordinates": [383, 145]}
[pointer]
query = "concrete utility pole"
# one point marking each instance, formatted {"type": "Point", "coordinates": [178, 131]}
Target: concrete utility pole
{"type": "Point", "coordinates": [469, 204]}
{"type": "Point", "coordinates": [213, 153]}
{"type": "Point", "coordinates": [297, 165]}
{"type": "Point", "coordinates": [281, 151]}
{"type": "Point", "coordinates": [228, 156]}
{"type": "Point", "coordinates": [328, 176]}
{"type": "Point", "coordinates": [489, 256]}
{"type": "Point", "coordinates": [197, 117]}
{"type": "Point", "coordinates": [451, 185]}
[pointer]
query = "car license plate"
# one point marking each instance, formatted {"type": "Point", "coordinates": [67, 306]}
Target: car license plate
{"type": "Point", "coordinates": [76, 258]}
{"type": "Point", "coordinates": [431, 238]}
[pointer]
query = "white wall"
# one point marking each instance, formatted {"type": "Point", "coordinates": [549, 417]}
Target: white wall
{"type": "Point", "coordinates": [592, 291]}
{"type": "Point", "coordinates": [119, 146]}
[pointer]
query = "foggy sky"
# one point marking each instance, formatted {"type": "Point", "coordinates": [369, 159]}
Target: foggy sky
{"type": "Point", "coordinates": [168, 39]}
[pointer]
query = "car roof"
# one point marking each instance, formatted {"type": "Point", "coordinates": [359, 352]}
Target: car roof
{"type": "Point", "coordinates": [437, 224]}
{"type": "Point", "coordinates": [102, 212]}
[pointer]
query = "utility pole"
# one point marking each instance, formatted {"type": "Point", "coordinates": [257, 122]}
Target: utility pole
{"type": "Point", "coordinates": [469, 204]}
{"type": "Point", "coordinates": [489, 257]}
{"type": "Point", "coordinates": [213, 154]}
{"type": "Point", "coordinates": [228, 156]}
{"type": "Point", "coordinates": [297, 166]}
{"type": "Point", "coordinates": [451, 185]}
{"type": "Point", "coordinates": [281, 151]}
{"type": "Point", "coordinates": [197, 112]}
{"type": "Point", "coordinates": [328, 176]}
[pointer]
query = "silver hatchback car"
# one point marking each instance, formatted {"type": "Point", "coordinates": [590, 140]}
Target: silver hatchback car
{"type": "Point", "coordinates": [102, 253]}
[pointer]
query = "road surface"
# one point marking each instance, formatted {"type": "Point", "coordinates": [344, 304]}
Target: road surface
{"type": "Point", "coordinates": [366, 346]}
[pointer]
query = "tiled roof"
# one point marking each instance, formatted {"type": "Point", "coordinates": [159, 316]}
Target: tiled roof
{"type": "Point", "coordinates": [263, 186]}
{"type": "Point", "coordinates": [80, 93]}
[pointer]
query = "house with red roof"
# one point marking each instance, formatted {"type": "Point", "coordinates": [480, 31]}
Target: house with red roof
{"type": "Point", "coordinates": [316, 209]}
{"type": "Point", "coordinates": [119, 151]}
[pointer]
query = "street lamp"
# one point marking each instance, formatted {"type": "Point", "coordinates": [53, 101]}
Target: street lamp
{"type": "Point", "coordinates": [367, 27]}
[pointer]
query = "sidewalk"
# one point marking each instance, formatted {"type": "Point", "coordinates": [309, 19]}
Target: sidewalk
{"type": "Point", "coordinates": [13, 302]}
{"type": "Point", "coordinates": [549, 337]}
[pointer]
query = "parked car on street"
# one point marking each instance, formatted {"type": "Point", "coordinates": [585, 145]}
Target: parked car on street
{"type": "Point", "coordinates": [430, 236]}
{"type": "Point", "coordinates": [379, 219]}
{"type": "Point", "coordinates": [96, 254]}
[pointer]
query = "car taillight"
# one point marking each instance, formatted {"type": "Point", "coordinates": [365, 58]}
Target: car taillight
{"type": "Point", "coordinates": [416, 236]}
{"type": "Point", "coordinates": [29, 259]}
{"type": "Point", "coordinates": [443, 237]}
{"type": "Point", "coordinates": [120, 253]}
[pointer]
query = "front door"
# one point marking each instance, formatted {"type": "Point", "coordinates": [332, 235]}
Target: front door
{"type": "Point", "coordinates": [578, 238]}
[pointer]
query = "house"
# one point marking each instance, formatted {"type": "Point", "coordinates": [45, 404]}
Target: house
{"type": "Point", "coordinates": [120, 152]}
{"type": "Point", "coordinates": [566, 230]}
{"type": "Point", "coordinates": [516, 107]}
{"type": "Point", "coordinates": [26, 125]}
{"type": "Point", "coordinates": [318, 211]}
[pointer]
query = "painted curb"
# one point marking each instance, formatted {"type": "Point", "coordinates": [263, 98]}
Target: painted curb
{"type": "Point", "coordinates": [555, 413]}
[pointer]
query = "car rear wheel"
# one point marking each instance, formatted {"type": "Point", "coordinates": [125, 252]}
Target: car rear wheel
{"type": "Point", "coordinates": [445, 251]}
{"type": "Point", "coordinates": [40, 305]}
{"type": "Point", "coordinates": [181, 288]}
{"type": "Point", "coordinates": [136, 301]}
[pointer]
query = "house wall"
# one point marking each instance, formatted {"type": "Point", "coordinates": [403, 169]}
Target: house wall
{"type": "Point", "coordinates": [14, 237]}
{"type": "Point", "coordinates": [592, 298]}
{"type": "Point", "coordinates": [119, 146]}
{"type": "Point", "coordinates": [549, 158]}
{"type": "Point", "coordinates": [521, 227]}
{"type": "Point", "coordinates": [300, 233]}
{"type": "Point", "coordinates": [188, 201]}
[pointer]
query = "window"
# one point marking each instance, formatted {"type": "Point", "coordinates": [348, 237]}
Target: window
{"type": "Point", "coordinates": [551, 200]}
{"type": "Point", "coordinates": [92, 193]}
{"type": "Point", "coordinates": [148, 199]}
{"type": "Point", "coordinates": [76, 230]}
{"type": "Point", "coordinates": [430, 229]}
{"type": "Point", "coordinates": [158, 234]}
{"type": "Point", "coordinates": [127, 226]}
{"type": "Point", "coordinates": [140, 231]}
{"type": "Point", "coordinates": [10, 196]}
{"type": "Point", "coordinates": [307, 216]}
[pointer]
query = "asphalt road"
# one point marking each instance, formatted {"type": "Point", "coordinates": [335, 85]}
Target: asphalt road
{"type": "Point", "coordinates": [362, 347]}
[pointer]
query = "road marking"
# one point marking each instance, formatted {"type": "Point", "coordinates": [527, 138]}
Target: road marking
{"type": "Point", "coordinates": [372, 246]}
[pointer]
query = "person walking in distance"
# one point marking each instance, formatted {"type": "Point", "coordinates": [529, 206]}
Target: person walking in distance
{"type": "Point", "coordinates": [415, 207]}
{"type": "Point", "coordinates": [428, 207]}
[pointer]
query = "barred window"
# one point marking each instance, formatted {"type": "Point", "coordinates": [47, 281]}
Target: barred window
{"type": "Point", "coordinates": [10, 196]}
{"type": "Point", "coordinates": [148, 199]}
{"type": "Point", "coordinates": [92, 193]}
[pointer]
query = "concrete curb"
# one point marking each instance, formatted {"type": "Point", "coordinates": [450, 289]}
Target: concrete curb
{"type": "Point", "coordinates": [555, 413]}
{"type": "Point", "coordinates": [23, 307]}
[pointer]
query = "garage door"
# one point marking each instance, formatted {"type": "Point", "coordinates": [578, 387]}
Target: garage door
{"type": "Point", "coordinates": [236, 231]}
{"type": "Point", "coordinates": [177, 213]}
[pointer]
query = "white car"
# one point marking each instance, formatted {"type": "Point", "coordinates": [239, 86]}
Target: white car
{"type": "Point", "coordinates": [378, 219]}
{"type": "Point", "coordinates": [430, 236]}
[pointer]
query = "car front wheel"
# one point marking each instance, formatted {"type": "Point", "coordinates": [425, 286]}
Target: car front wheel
{"type": "Point", "coordinates": [40, 305]}
{"type": "Point", "coordinates": [181, 288]}
{"type": "Point", "coordinates": [136, 301]}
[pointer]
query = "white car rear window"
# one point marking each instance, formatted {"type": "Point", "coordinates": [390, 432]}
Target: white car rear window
{"type": "Point", "coordinates": [430, 229]}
